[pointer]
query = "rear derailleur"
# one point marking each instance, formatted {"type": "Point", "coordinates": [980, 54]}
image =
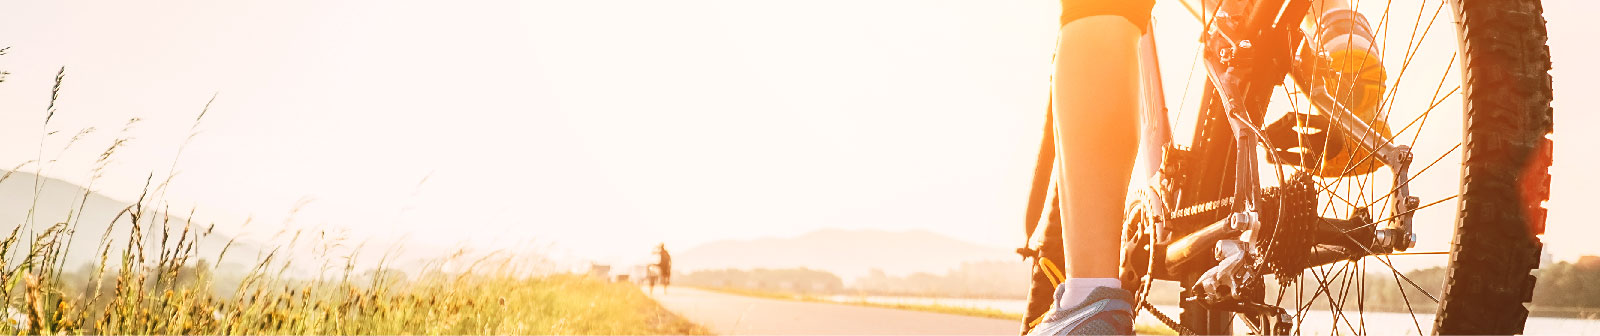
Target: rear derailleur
{"type": "Point", "coordinates": [1231, 287]}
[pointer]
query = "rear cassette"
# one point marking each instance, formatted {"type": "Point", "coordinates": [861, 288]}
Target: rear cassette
{"type": "Point", "coordinates": [1288, 223]}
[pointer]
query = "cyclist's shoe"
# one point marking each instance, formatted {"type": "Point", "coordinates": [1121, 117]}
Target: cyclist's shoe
{"type": "Point", "coordinates": [1106, 311]}
{"type": "Point", "coordinates": [1353, 73]}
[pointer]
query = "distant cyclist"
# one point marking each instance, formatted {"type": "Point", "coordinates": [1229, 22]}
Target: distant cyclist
{"type": "Point", "coordinates": [1096, 100]}
{"type": "Point", "coordinates": [663, 266]}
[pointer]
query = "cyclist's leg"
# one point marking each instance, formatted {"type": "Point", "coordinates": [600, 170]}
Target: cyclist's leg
{"type": "Point", "coordinates": [1096, 95]}
{"type": "Point", "coordinates": [1354, 74]}
{"type": "Point", "coordinates": [1096, 100]}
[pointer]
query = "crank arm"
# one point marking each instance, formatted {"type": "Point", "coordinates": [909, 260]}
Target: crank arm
{"type": "Point", "coordinates": [1369, 139]}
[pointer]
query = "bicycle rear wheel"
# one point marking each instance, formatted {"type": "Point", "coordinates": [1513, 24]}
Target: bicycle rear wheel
{"type": "Point", "coordinates": [1496, 70]}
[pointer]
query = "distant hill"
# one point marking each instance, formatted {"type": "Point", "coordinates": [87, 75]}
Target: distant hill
{"type": "Point", "coordinates": [848, 253]}
{"type": "Point", "coordinates": [57, 199]}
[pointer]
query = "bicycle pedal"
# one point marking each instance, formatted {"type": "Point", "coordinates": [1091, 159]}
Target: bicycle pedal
{"type": "Point", "coordinates": [1301, 139]}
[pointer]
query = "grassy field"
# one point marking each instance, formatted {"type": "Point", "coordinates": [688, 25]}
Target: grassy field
{"type": "Point", "coordinates": [156, 285]}
{"type": "Point", "coordinates": [148, 278]}
{"type": "Point", "coordinates": [165, 299]}
{"type": "Point", "coordinates": [1140, 328]}
{"type": "Point", "coordinates": [168, 293]}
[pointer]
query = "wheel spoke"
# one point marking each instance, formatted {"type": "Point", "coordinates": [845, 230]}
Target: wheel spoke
{"type": "Point", "coordinates": [1361, 297]}
{"type": "Point", "coordinates": [1335, 307]}
{"type": "Point", "coordinates": [1436, 100]}
{"type": "Point", "coordinates": [1413, 283]}
{"type": "Point", "coordinates": [1407, 301]}
{"type": "Point", "coordinates": [1418, 208]}
{"type": "Point", "coordinates": [1386, 262]}
{"type": "Point", "coordinates": [1344, 293]}
{"type": "Point", "coordinates": [1411, 50]}
{"type": "Point", "coordinates": [1419, 173]}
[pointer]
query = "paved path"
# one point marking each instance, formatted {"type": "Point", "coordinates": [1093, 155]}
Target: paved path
{"type": "Point", "coordinates": [728, 314]}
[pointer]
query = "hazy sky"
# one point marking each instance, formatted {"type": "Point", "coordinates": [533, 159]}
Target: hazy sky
{"type": "Point", "coordinates": [602, 126]}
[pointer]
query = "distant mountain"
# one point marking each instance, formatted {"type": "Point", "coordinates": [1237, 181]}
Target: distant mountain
{"type": "Point", "coordinates": [57, 199]}
{"type": "Point", "coordinates": [848, 253]}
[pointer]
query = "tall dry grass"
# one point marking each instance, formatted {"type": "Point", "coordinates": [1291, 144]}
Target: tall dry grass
{"type": "Point", "coordinates": [149, 278]}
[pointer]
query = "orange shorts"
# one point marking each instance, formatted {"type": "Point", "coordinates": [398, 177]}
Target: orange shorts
{"type": "Point", "coordinates": [1136, 11]}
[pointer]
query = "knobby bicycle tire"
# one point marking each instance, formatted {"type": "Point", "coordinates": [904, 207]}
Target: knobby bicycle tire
{"type": "Point", "coordinates": [1505, 166]}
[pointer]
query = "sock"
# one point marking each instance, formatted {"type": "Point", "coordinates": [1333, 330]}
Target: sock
{"type": "Point", "coordinates": [1073, 291]}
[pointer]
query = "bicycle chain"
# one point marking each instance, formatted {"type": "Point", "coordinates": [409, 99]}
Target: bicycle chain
{"type": "Point", "coordinates": [1167, 320]}
{"type": "Point", "coordinates": [1201, 208]}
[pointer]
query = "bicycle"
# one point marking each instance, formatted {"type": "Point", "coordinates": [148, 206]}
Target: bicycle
{"type": "Point", "coordinates": [1236, 208]}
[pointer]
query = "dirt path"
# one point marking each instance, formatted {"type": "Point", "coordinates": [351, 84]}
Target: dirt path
{"type": "Point", "coordinates": [727, 314]}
